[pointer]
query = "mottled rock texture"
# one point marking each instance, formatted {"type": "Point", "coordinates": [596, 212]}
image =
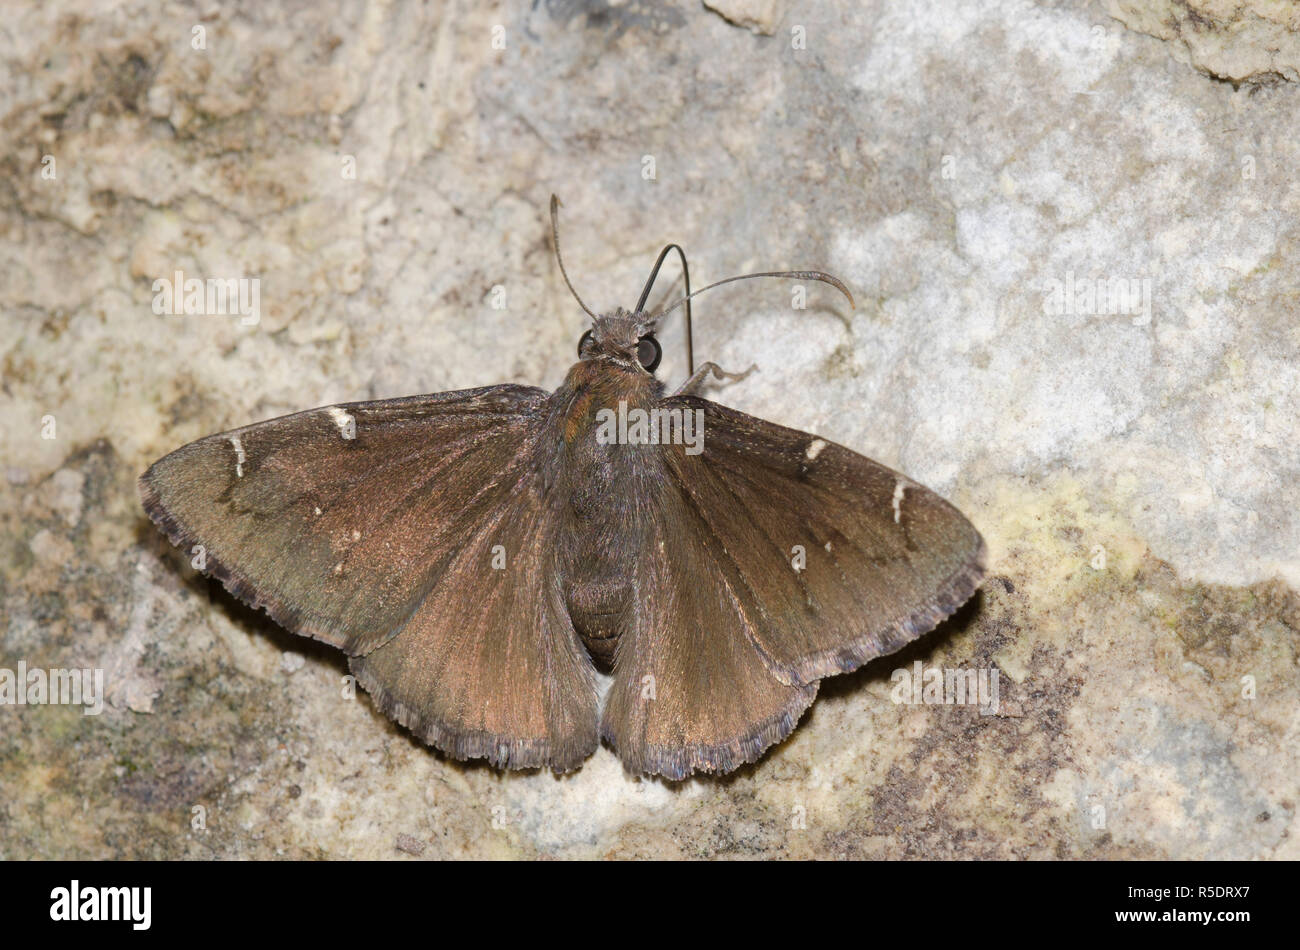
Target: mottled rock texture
{"type": "Point", "coordinates": [1254, 41]}
{"type": "Point", "coordinates": [1076, 267]}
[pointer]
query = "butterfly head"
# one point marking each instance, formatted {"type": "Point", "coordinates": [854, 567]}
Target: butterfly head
{"type": "Point", "coordinates": [623, 338]}
{"type": "Point", "coordinates": [627, 338]}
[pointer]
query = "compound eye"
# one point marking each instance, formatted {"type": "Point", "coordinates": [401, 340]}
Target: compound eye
{"type": "Point", "coordinates": [583, 341]}
{"type": "Point", "coordinates": [648, 353]}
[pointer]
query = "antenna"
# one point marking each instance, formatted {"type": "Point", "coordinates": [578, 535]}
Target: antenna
{"type": "Point", "coordinates": [555, 236]}
{"type": "Point", "coordinates": [793, 274]}
{"type": "Point", "coordinates": [686, 276]}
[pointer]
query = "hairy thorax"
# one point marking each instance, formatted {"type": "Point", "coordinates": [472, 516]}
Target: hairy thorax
{"type": "Point", "coordinates": [602, 527]}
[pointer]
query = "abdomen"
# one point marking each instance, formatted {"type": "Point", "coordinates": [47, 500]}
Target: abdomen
{"type": "Point", "coordinates": [602, 517]}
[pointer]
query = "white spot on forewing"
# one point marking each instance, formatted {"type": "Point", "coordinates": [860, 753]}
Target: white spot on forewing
{"type": "Point", "coordinates": [347, 423]}
{"type": "Point", "coordinates": [239, 455]}
{"type": "Point", "coordinates": [814, 449]}
{"type": "Point", "coordinates": [899, 488]}
{"type": "Point", "coordinates": [356, 535]}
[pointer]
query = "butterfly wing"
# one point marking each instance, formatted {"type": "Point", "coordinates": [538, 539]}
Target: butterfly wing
{"type": "Point", "coordinates": [800, 559]}
{"type": "Point", "coordinates": [415, 534]}
{"type": "Point", "coordinates": [690, 692]}
{"type": "Point", "coordinates": [489, 665]}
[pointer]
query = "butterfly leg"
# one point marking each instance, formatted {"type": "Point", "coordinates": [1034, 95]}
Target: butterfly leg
{"type": "Point", "coordinates": [693, 385]}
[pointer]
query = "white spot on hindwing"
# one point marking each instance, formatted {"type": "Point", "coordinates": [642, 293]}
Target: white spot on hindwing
{"type": "Point", "coordinates": [899, 488]}
{"type": "Point", "coordinates": [239, 455]}
{"type": "Point", "coordinates": [814, 449]}
{"type": "Point", "coordinates": [347, 423]}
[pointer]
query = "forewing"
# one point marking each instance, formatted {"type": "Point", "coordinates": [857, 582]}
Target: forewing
{"type": "Point", "coordinates": [365, 525]}
{"type": "Point", "coordinates": [333, 520]}
{"type": "Point", "coordinates": [835, 559]}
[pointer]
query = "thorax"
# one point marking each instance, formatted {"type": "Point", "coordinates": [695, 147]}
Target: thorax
{"type": "Point", "coordinates": [603, 494]}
